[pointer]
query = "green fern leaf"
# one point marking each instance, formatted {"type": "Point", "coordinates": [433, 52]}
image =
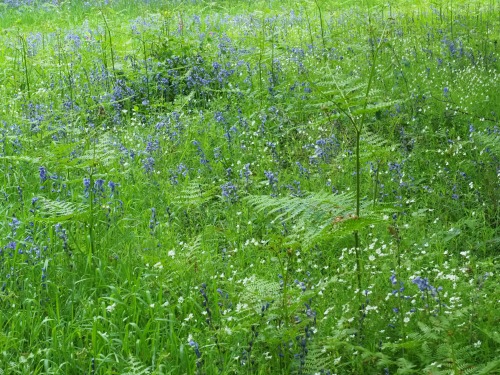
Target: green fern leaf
{"type": "Point", "coordinates": [317, 216]}
{"type": "Point", "coordinates": [491, 142]}
{"type": "Point", "coordinates": [56, 211]}
{"type": "Point", "coordinates": [136, 367]}
{"type": "Point", "coordinates": [194, 194]}
{"type": "Point", "coordinates": [259, 290]}
{"type": "Point", "coordinates": [33, 160]}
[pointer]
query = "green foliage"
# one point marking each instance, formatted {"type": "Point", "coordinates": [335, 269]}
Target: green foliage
{"type": "Point", "coordinates": [438, 352]}
{"type": "Point", "coordinates": [57, 211]}
{"type": "Point", "coordinates": [249, 187]}
{"type": "Point", "coordinates": [193, 195]}
{"type": "Point", "coordinates": [136, 367]}
{"type": "Point", "coordinates": [315, 217]}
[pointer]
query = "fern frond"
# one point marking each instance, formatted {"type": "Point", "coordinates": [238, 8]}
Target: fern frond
{"type": "Point", "coordinates": [375, 147]}
{"type": "Point", "coordinates": [136, 367]}
{"type": "Point", "coordinates": [33, 160]}
{"type": "Point", "coordinates": [491, 142]}
{"type": "Point", "coordinates": [310, 206]}
{"type": "Point", "coordinates": [259, 290]}
{"type": "Point", "coordinates": [318, 359]}
{"type": "Point", "coordinates": [101, 154]}
{"type": "Point", "coordinates": [317, 216]}
{"type": "Point", "coordinates": [428, 333]}
{"type": "Point", "coordinates": [195, 246]}
{"type": "Point", "coordinates": [194, 194]}
{"type": "Point", "coordinates": [56, 211]}
{"type": "Point", "coordinates": [488, 368]}
{"type": "Point", "coordinates": [374, 107]}
{"type": "Point", "coordinates": [62, 155]}
{"type": "Point", "coordinates": [405, 366]}
{"type": "Point", "coordinates": [374, 140]}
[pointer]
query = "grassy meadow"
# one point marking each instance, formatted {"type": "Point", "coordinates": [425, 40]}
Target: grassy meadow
{"type": "Point", "coordinates": [250, 187]}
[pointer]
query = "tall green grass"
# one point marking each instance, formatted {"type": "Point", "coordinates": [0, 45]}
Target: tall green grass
{"type": "Point", "coordinates": [249, 187]}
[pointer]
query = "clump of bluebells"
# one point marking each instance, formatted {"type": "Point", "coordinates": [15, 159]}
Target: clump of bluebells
{"type": "Point", "coordinates": [203, 159]}
{"type": "Point", "coordinates": [43, 176]}
{"type": "Point", "coordinates": [400, 316]}
{"type": "Point", "coordinates": [181, 171]}
{"type": "Point", "coordinates": [100, 190]}
{"type": "Point", "coordinates": [429, 294]}
{"type": "Point", "coordinates": [229, 192]}
{"type": "Point", "coordinates": [272, 180]}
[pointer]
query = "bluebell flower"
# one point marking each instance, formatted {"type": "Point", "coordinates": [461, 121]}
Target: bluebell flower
{"type": "Point", "coordinates": [300, 284]}
{"type": "Point", "coordinates": [14, 225]}
{"type": "Point", "coordinates": [273, 181]}
{"type": "Point", "coordinates": [246, 172]}
{"type": "Point", "coordinates": [422, 283]}
{"type": "Point", "coordinates": [43, 174]}
{"type": "Point", "coordinates": [219, 117]}
{"type": "Point", "coordinates": [152, 146]}
{"type": "Point", "coordinates": [196, 348]}
{"type": "Point", "coordinates": [98, 184]}
{"type": "Point", "coordinates": [201, 154]}
{"type": "Point", "coordinates": [302, 170]}
{"type": "Point", "coordinates": [229, 192]}
{"type": "Point", "coordinates": [112, 186]}
{"type": "Point", "coordinates": [148, 164]}
{"type": "Point", "coordinates": [271, 177]}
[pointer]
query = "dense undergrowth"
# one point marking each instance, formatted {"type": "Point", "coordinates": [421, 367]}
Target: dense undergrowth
{"type": "Point", "coordinates": [249, 187]}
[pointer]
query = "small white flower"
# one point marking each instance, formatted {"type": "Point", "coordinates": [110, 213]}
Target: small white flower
{"type": "Point", "coordinates": [111, 308]}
